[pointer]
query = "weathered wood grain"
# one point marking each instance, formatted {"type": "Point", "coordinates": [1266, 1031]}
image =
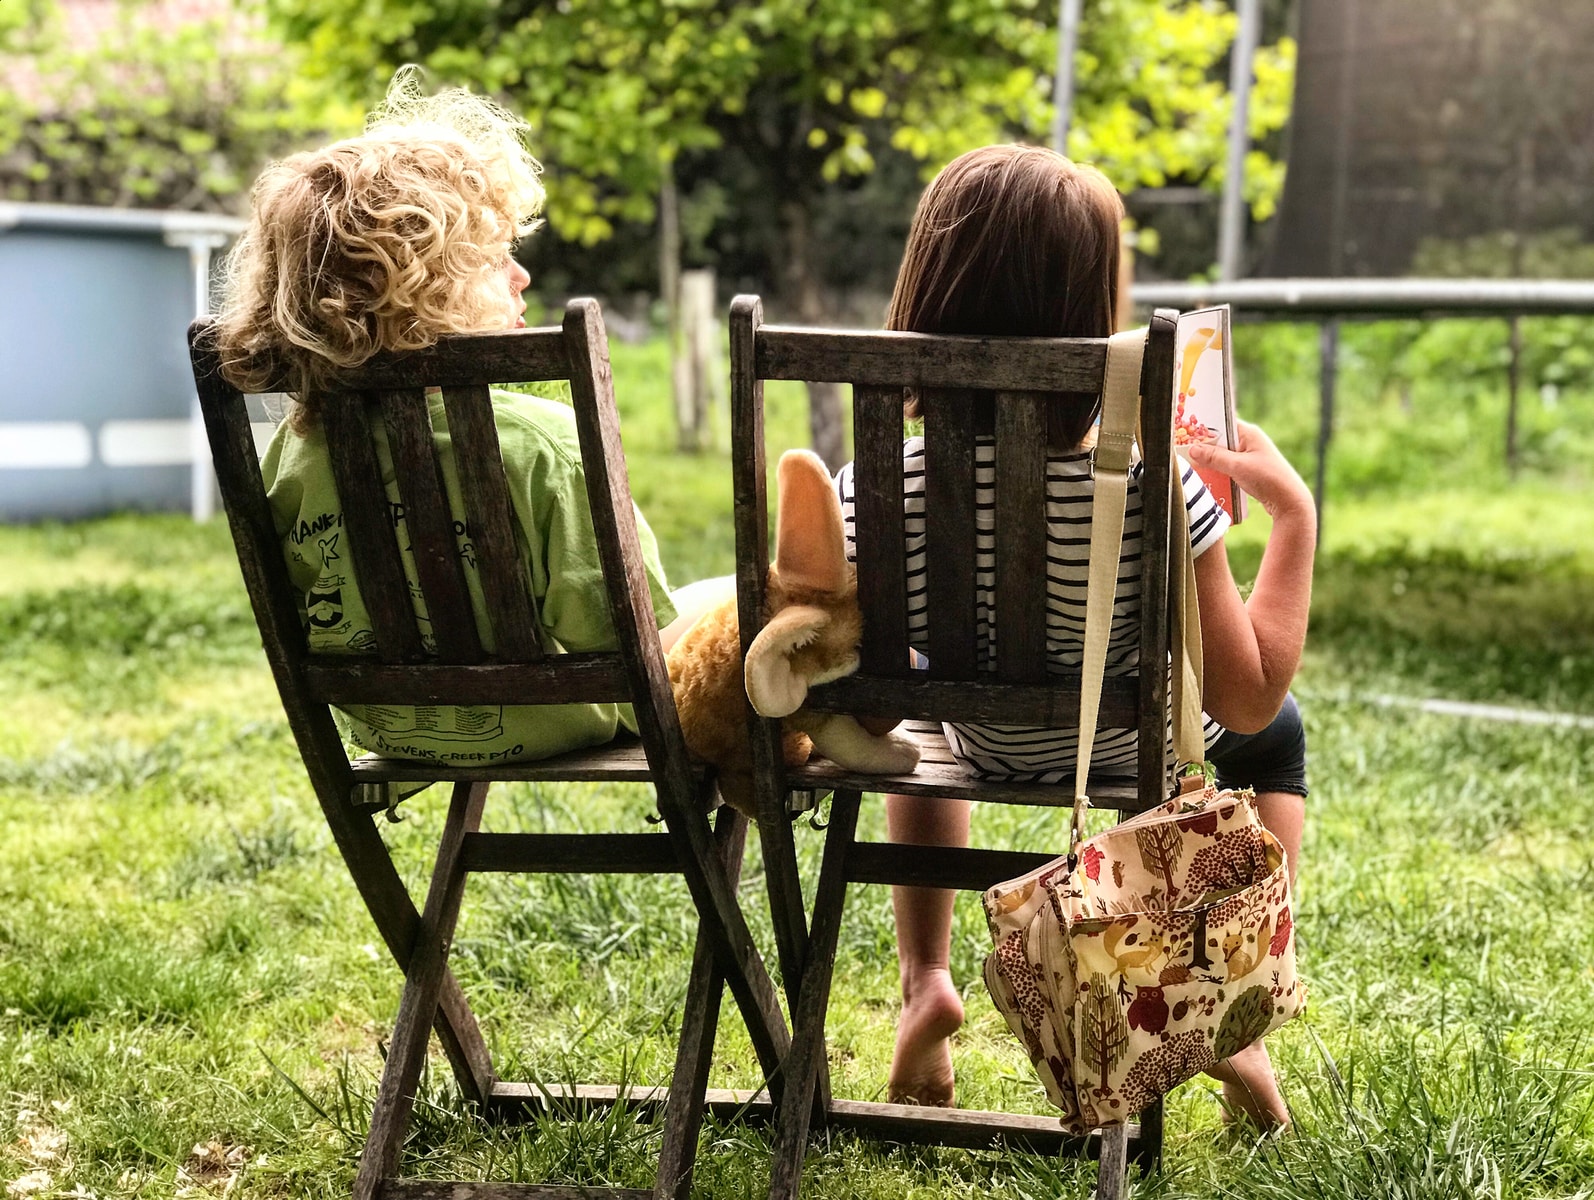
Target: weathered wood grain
{"type": "Point", "coordinates": [370, 527]}
{"type": "Point", "coordinates": [804, 1063]}
{"type": "Point", "coordinates": [893, 359]}
{"type": "Point", "coordinates": [878, 513]}
{"type": "Point", "coordinates": [949, 532]}
{"type": "Point", "coordinates": [271, 595]}
{"type": "Point", "coordinates": [423, 985]}
{"type": "Point", "coordinates": [749, 481]}
{"type": "Point", "coordinates": [490, 525]}
{"type": "Point", "coordinates": [419, 476]}
{"type": "Point", "coordinates": [1053, 704]}
{"type": "Point", "coordinates": [512, 356]}
{"type": "Point", "coordinates": [1156, 442]}
{"type": "Point", "coordinates": [571, 853]}
{"type": "Point", "coordinates": [400, 675]}
{"type": "Point", "coordinates": [1020, 537]}
{"type": "Point", "coordinates": [631, 607]}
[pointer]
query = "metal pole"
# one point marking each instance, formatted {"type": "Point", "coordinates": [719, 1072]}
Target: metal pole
{"type": "Point", "coordinates": [1513, 388]}
{"type": "Point", "coordinates": [1063, 79]}
{"type": "Point", "coordinates": [1231, 227]}
{"type": "Point", "coordinates": [1328, 351]}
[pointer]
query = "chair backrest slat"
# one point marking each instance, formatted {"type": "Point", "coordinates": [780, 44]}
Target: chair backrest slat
{"type": "Point", "coordinates": [1157, 495]}
{"type": "Point", "coordinates": [614, 523]}
{"type": "Point", "coordinates": [877, 522]}
{"type": "Point", "coordinates": [511, 607]}
{"type": "Point", "coordinates": [385, 400]}
{"type": "Point", "coordinates": [1030, 383]}
{"type": "Point", "coordinates": [950, 541]}
{"type": "Point", "coordinates": [1021, 526]}
{"type": "Point", "coordinates": [368, 520]}
{"type": "Point", "coordinates": [430, 524]}
{"type": "Point", "coordinates": [264, 568]}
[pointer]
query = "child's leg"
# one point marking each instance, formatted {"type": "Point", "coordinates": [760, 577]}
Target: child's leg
{"type": "Point", "coordinates": [932, 1010]}
{"type": "Point", "coordinates": [1274, 763]}
{"type": "Point", "coordinates": [692, 601]}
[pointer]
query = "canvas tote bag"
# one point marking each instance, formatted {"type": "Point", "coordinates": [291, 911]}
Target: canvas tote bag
{"type": "Point", "coordinates": [1165, 944]}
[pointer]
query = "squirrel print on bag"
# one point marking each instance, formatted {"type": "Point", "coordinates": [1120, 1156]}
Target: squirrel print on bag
{"type": "Point", "coordinates": [1244, 952]}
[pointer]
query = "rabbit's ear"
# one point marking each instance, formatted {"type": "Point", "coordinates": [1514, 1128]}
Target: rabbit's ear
{"type": "Point", "coordinates": [811, 546]}
{"type": "Point", "coordinates": [774, 689]}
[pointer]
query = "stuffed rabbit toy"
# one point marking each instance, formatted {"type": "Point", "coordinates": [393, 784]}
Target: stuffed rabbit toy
{"type": "Point", "coordinates": [813, 626]}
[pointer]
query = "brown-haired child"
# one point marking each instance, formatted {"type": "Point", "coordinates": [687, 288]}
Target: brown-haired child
{"type": "Point", "coordinates": [1019, 241]}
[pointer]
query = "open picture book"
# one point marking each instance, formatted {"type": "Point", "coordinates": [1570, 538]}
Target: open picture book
{"type": "Point", "coordinates": [1204, 399]}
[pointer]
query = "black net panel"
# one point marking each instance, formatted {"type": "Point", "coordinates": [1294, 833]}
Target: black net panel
{"type": "Point", "coordinates": [1426, 124]}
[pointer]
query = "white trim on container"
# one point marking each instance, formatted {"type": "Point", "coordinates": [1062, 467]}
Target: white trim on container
{"type": "Point", "coordinates": [50, 445]}
{"type": "Point", "coordinates": [147, 443]}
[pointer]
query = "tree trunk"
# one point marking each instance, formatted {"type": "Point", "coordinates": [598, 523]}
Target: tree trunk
{"type": "Point", "coordinates": [824, 398]}
{"type": "Point", "coordinates": [670, 292]}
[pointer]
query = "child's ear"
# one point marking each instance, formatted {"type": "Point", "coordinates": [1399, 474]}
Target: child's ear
{"type": "Point", "coordinates": [810, 547]}
{"type": "Point", "coordinates": [774, 689]}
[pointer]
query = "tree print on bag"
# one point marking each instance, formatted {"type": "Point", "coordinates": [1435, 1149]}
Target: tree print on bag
{"type": "Point", "coordinates": [1160, 849]}
{"type": "Point", "coordinates": [1246, 1020]}
{"type": "Point", "coordinates": [1236, 859]}
{"type": "Point", "coordinates": [1129, 989]}
{"type": "Point", "coordinates": [1165, 1067]}
{"type": "Point", "coordinates": [1103, 1033]}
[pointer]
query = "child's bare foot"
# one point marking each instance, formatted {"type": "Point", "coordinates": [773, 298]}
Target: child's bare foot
{"type": "Point", "coordinates": [921, 1067]}
{"type": "Point", "coordinates": [1250, 1089]}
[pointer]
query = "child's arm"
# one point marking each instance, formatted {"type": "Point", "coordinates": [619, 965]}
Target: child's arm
{"type": "Point", "coordinates": [1252, 647]}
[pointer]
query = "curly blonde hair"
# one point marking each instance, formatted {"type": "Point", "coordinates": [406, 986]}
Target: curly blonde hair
{"type": "Point", "coordinates": [383, 241]}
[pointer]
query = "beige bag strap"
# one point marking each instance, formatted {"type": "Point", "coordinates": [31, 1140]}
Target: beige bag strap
{"type": "Point", "coordinates": [1120, 415]}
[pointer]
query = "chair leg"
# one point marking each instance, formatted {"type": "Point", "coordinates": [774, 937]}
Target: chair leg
{"type": "Point", "coordinates": [423, 986]}
{"type": "Point", "coordinates": [806, 1060]}
{"type": "Point", "coordinates": [778, 848]}
{"type": "Point", "coordinates": [1110, 1177]}
{"type": "Point", "coordinates": [1148, 1148]}
{"type": "Point", "coordinates": [721, 920]}
{"type": "Point", "coordinates": [391, 908]}
{"type": "Point", "coordinates": [683, 1113]}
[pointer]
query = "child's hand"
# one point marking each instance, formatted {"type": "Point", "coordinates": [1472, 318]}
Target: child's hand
{"type": "Point", "coordinates": [1260, 470]}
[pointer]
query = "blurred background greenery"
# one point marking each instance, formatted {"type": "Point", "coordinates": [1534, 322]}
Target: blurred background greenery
{"type": "Point", "coordinates": [191, 997]}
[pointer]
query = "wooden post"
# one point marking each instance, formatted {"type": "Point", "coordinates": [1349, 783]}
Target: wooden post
{"type": "Point", "coordinates": [697, 372]}
{"type": "Point", "coordinates": [670, 293]}
{"type": "Point", "coordinates": [1328, 351]}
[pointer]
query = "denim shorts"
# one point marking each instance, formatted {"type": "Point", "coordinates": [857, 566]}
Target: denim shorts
{"type": "Point", "coordinates": [1272, 760]}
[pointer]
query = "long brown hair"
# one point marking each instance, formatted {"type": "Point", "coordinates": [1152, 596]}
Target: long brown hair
{"type": "Point", "coordinates": [1013, 241]}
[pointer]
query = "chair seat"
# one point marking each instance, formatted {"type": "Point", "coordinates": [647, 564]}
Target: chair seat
{"type": "Point", "coordinates": [939, 774]}
{"type": "Point", "coordinates": [380, 782]}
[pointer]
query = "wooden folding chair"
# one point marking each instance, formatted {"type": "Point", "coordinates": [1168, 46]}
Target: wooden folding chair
{"type": "Point", "coordinates": [390, 391]}
{"type": "Point", "coordinates": [1016, 377]}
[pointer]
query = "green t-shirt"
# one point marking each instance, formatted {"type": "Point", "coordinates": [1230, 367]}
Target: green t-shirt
{"type": "Point", "coordinates": [548, 496]}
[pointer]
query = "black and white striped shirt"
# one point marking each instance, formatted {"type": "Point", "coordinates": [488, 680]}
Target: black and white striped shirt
{"type": "Point", "coordinates": [1023, 752]}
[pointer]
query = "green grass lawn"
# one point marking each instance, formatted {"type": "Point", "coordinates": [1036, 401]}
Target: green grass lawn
{"type": "Point", "coordinates": [192, 995]}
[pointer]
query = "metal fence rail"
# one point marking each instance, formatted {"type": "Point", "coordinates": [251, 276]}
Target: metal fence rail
{"type": "Point", "coordinates": [1329, 301]}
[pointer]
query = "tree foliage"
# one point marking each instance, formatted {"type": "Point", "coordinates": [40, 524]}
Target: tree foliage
{"type": "Point", "coordinates": [153, 116]}
{"type": "Point", "coordinates": [811, 91]}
